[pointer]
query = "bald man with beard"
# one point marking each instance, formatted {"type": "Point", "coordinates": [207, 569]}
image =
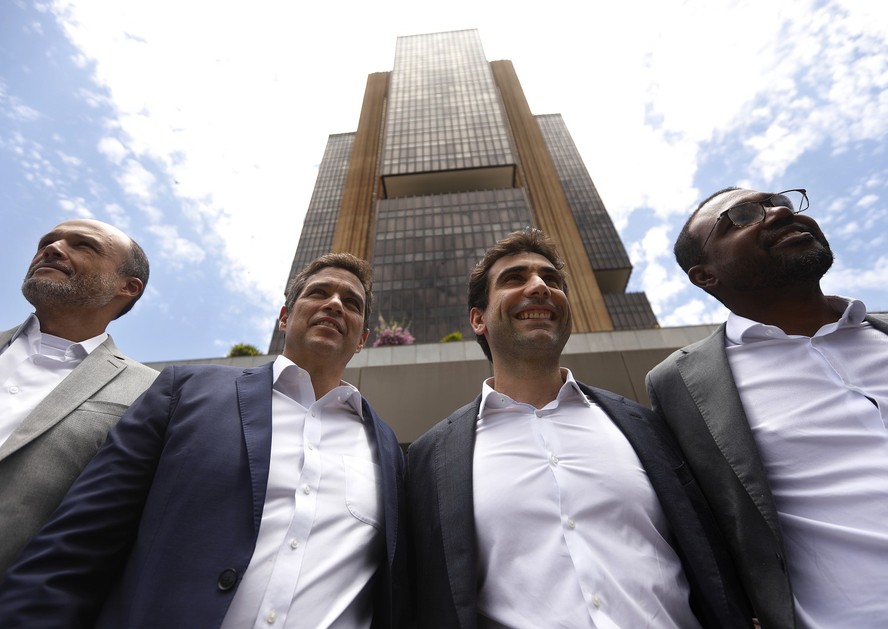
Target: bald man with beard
{"type": "Point", "coordinates": [63, 382]}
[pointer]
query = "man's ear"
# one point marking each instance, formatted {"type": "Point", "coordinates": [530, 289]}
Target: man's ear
{"type": "Point", "coordinates": [476, 319]}
{"type": "Point", "coordinates": [131, 286]}
{"type": "Point", "coordinates": [363, 340]}
{"type": "Point", "coordinates": [282, 319]}
{"type": "Point", "coordinates": [702, 277]}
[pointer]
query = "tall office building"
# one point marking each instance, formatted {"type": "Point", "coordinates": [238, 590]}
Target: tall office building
{"type": "Point", "coordinates": [448, 159]}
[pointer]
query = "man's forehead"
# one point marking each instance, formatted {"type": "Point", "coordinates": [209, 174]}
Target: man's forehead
{"type": "Point", "coordinates": [331, 275]}
{"type": "Point", "coordinates": [94, 228]}
{"type": "Point", "coordinates": [522, 259]}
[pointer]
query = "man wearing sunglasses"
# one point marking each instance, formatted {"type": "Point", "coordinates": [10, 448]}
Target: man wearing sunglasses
{"type": "Point", "coordinates": [782, 413]}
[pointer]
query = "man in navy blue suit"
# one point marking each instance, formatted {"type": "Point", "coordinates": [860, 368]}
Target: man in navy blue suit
{"type": "Point", "coordinates": [231, 498]}
{"type": "Point", "coordinates": [549, 503]}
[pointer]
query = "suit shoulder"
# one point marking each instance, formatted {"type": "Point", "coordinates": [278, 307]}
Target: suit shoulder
{"type": "Point", "coordinates": [603, 395]}
{"type": "Point", "coordinates": [668, 363]}
{"type": "Point", "coordinates": [464, 413]}
{"type": "Point", "coordinates": [137, 370]}
{"type": "Point", "coordinates": [880, 317]}
{"type": "Point", "coordinates": [206, 376]}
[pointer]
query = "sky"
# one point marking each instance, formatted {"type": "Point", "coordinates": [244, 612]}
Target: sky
{"type": "Point", "coordinates": [198, 127]}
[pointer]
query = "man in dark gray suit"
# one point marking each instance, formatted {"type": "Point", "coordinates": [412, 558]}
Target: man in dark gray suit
{"type": "Point", "coordinates": [782, 412]}
{"type": "Point", "coordinates": [549, 503]}
{"type": "Point", "coordinates": [63, 382]}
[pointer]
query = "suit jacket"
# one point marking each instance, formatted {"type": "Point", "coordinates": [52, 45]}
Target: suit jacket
{"type": "Point", "coordinates": [161, 526]}
{"type": "Point", "coordinates": [694, 391]}
{"type": "Point", "coordinates": [442, 526]}
{"type": "Point", "coordinates": [49, 449]}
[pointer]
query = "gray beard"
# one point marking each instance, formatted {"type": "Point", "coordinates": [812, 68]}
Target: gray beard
{"type": "Point", "coordinates": [86, 291]}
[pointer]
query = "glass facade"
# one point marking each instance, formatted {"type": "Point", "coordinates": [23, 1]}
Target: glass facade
{"type": "Point", "coordinates": [323, 211]}
{"type": "Point", "coordinates": [426, 246]}
{"type": "Point", "coordinates": [443, 113]}
{"type": "Point", "coordinates": [600, 237]}
{"type": "Point", "coordinates": [447, 187]}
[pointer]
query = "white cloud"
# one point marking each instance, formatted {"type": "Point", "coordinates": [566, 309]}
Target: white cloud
{"type": "Point", "coordinates": [137, 181]}
{"type": "Point", "coordinates": [70, 160]}
{"type": "Point", "coordinates": [113, 149]}
{"type": "Point", "coordinates": [848, 281]}
{"type": "Point", "coordinates": [117, 216]}
{"type": "Point", "coordinates": [76, 206]}
{"type": "Point", "coordinates": [695, 311]}
{"type": "Point", "coordinates": [177, 250]}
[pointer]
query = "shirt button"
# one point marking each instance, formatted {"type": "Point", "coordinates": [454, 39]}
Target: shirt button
{"type": "Point", "coordinates": [271, 617]}
{"type": "Point", "coordinates": [538, 413]}
{"type": "Point", "coordinates": [294, 543]}
{"type": "Point", "coordinates": [13, 390]}
{"type": "Point", "coordinates": [313, 414]}
{"type": "Point", "coordinates": [306, 490]}
{"type": "Point", "coordinates": [596, 601]}
{"type": "Point", "coordinates": [554, 460]}
{"type": "Point", "coordinates": [571, 524]}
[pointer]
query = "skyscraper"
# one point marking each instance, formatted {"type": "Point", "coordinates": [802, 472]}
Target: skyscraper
{"type": "Point", "coordinates": [448, 159]}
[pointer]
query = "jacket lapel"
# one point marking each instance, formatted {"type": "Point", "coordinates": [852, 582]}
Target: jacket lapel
{"type": "Point", "coordinates": [389, 466]}
{"type": "Point", "coordinates": [101, 366]}
{"type": "Point", "coordinates": [254, 405]}
{"type": "Point", "coordinates": [704, 368]}
{"type": "Point", "coordinates": [453, 455]}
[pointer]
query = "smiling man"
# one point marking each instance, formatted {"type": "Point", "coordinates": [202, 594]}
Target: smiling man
{"type": "Point", "coordinates": [64, 382]}
{"type": "Point", "coordinates": [549, 503]}
{"type": "Point", "coordinates": [236, 498]}
{"type": "Point", "coordinates": [782, 413]}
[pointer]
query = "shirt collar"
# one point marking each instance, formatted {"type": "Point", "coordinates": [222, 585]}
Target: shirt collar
{"type": "Point", "coordinates": [33, 338]}
{"type": "Point", "coordinates": [740, 330]}
{"type": "Point", "coordinates": [294, 382]}
{"type": "Point", "coordinates": [492, 399]}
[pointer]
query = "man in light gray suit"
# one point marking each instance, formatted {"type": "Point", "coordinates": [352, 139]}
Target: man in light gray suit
{"type": "Point", "coordinates": [782, 413]}
{"type": "Point", "coordinates": [63, 382]}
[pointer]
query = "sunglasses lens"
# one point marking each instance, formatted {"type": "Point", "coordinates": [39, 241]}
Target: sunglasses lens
{"type": "Point", "coordinates": [746, 214]}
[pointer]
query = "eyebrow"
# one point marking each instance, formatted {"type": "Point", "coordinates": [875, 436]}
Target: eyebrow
{"type": "Point", "coordinates": [523, 268]}
{"type": "Point", "coordinates": [328, 285]}
{"type": "Point", "coordinates": [55, 235]}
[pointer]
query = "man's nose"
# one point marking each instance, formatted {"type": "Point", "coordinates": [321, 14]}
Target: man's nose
{"type": "Point", "coordinates": [776, 213]}
{"type": "Point", "coordinates": [537, 286]}
{"type": "Point", "coordinates": [54, 249]}
{"type": "Point", "coordinates": [334, 302]}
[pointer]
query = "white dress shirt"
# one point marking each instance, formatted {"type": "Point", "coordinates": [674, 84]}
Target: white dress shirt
{"type": "Point", "coordinates": [817, 407]}
{"type": "Point", "coordinates": [570, 532]}
{"type": "Point", "coordinates": [320, 540]}
{"type": "Point", "coordinates": [32, 365]}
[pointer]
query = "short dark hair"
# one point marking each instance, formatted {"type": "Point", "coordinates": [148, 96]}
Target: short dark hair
{"type": "Point", "coordinates": [135, 265]}
{"type": "Point", "coordinates": [687, 250]}
{"type": "Point", "coordinates": [346, 261]}
{"type": "Point", "coordinates": [528, 240]}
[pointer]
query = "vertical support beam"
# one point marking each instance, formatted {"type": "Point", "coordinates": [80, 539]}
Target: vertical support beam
{"type": "Point", "coordinates": [357, 212]}
{"type": "Point", "coordinates": [549, 203]}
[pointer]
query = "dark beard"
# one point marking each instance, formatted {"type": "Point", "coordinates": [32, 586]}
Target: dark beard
{"type": "Point", "coordinates": [92, 291]}
{"type": "Point", "coordinates": [803, 269]}
{"type": "Point", "coordinates": [788, 270]}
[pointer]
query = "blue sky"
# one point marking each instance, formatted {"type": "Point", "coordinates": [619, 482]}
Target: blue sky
{"type": "Point", "coordinates": [198, 126]}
